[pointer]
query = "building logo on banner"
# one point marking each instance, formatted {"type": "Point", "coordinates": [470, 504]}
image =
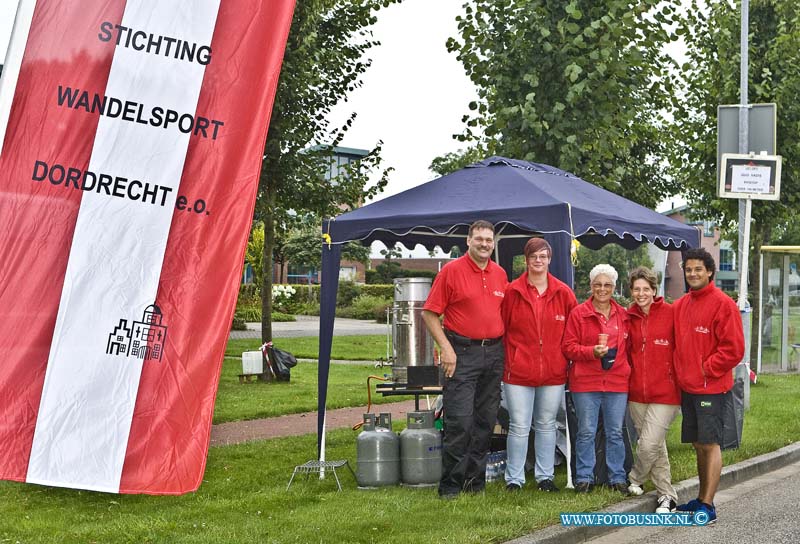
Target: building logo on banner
{"type": "Point", "coordinates": [143, 339]}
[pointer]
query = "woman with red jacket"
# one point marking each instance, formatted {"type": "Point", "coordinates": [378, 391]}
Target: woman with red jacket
{"type": "Point", "coordinates": [535, 310]}
{"type": "Point", "coordinates": [654, 397]}
{"type": "Point", "coordinates": [595, 340]}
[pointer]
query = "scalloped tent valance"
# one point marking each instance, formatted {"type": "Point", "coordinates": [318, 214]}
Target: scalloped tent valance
{"type": "Point", "coordinates": [521, 199]}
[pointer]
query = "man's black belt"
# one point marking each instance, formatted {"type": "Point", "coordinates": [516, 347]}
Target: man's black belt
{"type": "Point", "coordinates": [464, 341]}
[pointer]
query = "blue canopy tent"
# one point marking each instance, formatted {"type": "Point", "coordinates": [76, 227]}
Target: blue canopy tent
{"type": "Point", "coordinates": [520, 198]}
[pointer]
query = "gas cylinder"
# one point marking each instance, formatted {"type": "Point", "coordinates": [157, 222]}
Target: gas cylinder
{"type": "Point", "coordinates": [421, 451]}
{"type": "Point", "coordinates": [377, 453]}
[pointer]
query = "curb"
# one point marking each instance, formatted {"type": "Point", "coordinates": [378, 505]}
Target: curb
{"type": "Point", "coordinates": [687, 489]}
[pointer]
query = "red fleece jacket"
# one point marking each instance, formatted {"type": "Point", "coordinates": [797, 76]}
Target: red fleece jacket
{"type": "Point", "coordinates": [651, 343]}
{"type": "Point", "coordinates": [586, 373]}
{"type": "Point", "coordinates": [533, 347]}
{"type": "Point", "coordinates": [709, 340]}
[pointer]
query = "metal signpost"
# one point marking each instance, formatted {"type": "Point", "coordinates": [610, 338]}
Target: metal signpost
{"type": "Point", "coordinates": [747, 171]}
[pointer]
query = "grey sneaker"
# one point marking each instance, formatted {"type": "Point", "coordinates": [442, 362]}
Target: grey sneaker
{"type": "Point", "coordinates": [666, 505]}
{"type": "Point", "coordinates": [635, 490]}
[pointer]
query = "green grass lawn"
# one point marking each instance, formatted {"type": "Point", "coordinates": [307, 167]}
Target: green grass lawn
{"type": "Point", "coordinates": [347, 386]}
{"type": "Point", "coordinates": [244, 498]}
{"type": "Point", "coordinates": [356, 348]}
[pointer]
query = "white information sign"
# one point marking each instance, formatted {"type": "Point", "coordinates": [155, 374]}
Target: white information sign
{"type": "Point", "coordinates": [750, 179]}
{"type": "Point", "coordinates": [752, 176]}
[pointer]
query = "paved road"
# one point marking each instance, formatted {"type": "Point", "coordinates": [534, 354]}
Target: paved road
{"type": "Point", "coordinates": [307, 325]}
{"type": "Point", "coordinates": [763, 509]}
{"type": "Point", "coordinates": [297, 424]}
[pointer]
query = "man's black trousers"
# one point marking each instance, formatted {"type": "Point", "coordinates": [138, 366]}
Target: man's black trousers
{"type": "Point", "coordinates": [470, 398]}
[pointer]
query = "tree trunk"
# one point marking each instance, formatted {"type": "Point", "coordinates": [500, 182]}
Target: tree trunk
{"type": "Point", "coordinates": [267, 263]}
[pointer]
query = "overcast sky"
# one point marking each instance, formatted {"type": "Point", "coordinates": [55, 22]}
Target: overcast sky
{"type": "Point", "coordinates": [413, 96]}
{"type": "Point", "coordinates": [7, 10]}
{"type": "Point", "coordinates": [415, 92]}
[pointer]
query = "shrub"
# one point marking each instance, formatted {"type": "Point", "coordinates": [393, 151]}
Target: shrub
{"type": "Point", "coordinates": [282, 296]}
{"type": "Point", "coordinates": [383, 274]}
{"type": "Point", "coordinates": [238, 323]}
{"type": "Point", "coordinates": [249, 293]}
{"type": "Point", "coordinates": [623, 301]}
{"type": "Point", "coordinates": [250, 313]}
{"type": "Point", "coordinates": [307, 308]}
{"type": "Point", "coordinates": [381, 290]}
{"type": "Point", "coordinates": [366, 307]}
{"type": "Point", "coordinates": [306, 293]}
{"type": "Point", "coordinates": [380, 313]}
{"type": "Point", "coordinates": [348, 291]}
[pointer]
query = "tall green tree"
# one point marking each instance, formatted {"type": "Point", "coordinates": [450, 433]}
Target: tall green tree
{"type": "Point", "coordinates": [456, 160]}
{"type": "Point", "coordinates": [303, 245]}
{"type": "Point", "coordinates": [710, 77]}
{"type": "Point", "coordinates": [325, 59]}
{"type": "Point", "coordinates": [579, 84]}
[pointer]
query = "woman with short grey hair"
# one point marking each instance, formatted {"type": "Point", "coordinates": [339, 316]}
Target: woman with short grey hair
{"type": "Point", "coordinates": [595, 342]}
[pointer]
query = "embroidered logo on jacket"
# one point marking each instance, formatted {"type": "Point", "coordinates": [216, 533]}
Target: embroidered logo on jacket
{"type": "Point", "coordinates": [701, 330]}
{"type": "Point", "coordinates": [500, 294]}
{"type": "Point", "coordinates": [661, 342]}
{"type": "Point", "coordinates": [559, 317]}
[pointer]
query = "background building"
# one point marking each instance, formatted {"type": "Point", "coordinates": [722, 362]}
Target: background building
{"type": "Point", "coordinates": [723, 251]}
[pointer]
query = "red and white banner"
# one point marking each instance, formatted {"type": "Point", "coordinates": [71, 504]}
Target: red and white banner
{"type": "Point", "coordinates": [131, 136]}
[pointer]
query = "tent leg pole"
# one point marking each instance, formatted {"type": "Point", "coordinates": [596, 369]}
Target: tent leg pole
{"type": "Point", "coordinates": [322, 448]}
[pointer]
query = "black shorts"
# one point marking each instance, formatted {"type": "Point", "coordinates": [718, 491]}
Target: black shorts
{"type": "Point", "coordinates": [703, 417]}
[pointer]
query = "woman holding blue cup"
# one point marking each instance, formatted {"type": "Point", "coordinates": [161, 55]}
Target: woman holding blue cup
{"type": "Point", "coordinates": [595, 342]}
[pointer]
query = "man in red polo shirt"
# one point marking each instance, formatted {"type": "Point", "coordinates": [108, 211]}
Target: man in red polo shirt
{"type": "Point", "coordinates": [469, 292]}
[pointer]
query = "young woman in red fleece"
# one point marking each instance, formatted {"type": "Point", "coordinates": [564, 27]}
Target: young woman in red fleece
{"type": "Point", "coordinates": [654, 398]}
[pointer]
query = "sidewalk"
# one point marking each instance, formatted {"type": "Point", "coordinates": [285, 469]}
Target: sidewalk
{"type": "Point", "coordinates": [236, 432]}
{"type": "Point", "coordinates": [308, 325]}
{"type": "Point", "coordinates": [687, 489]}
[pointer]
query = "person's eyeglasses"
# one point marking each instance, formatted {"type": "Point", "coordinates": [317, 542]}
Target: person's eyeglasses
{"type": "Point", "coordinates": [538, 257]}
{"type": "Point", "coordinates": [605, 286]}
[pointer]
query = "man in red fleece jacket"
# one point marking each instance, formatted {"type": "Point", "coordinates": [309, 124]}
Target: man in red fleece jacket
{"type": "Point", "coordinates": [709, 343]}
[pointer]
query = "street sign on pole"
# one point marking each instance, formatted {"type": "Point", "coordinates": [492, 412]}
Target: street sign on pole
{"type": "Point", "coordinates": [750, 176]}
{"type": "Point", "coordinates": [761, 130]}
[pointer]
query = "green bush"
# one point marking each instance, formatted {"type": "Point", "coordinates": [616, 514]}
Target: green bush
{"type": "Point", "coordinates": [365, 307]}
{"type": "Point", "coordinates": [381, 290]}
{"type": "Point", "coordinates": [306, 293]}
{"type": "Point", "coordinates": [307, 308]}
{"type": "Point", "coordinates": [380, 315]}
{"type": "Point", "coordinates": [238, 323]}
{"type": "Point", "coordinates": [370, 276]}
{"type": "Point", "coordinates": [623, 301]}
{"type": "Point", "coordinates": [348, 291]}
{"type": "Point", "coordinates": [249, 291]}
{"type": "Point", "coordinates": [382, 274]}
{"type": "Point", "coordinates": [252, 314]}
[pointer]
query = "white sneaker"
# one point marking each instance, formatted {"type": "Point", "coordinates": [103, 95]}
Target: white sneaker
{"type": "Point", "coordinates": [635, 490]}
{"type": "Point", "coordinates": [666, 505]}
